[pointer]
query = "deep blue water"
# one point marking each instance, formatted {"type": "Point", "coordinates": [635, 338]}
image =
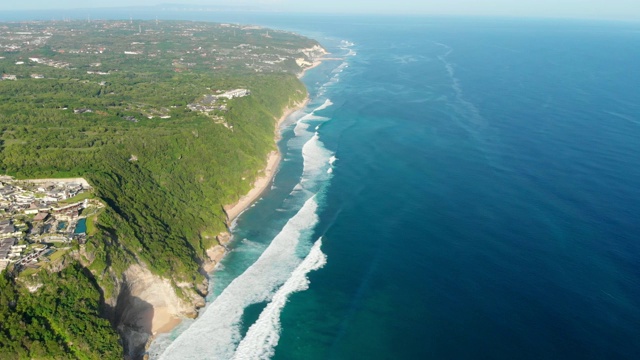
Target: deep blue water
{"type": "Point", "coordinates": [484, 202]}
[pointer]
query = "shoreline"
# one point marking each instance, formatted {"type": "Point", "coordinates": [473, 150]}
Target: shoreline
{"type": "Point", "coordinates": [273, 160]}
{"type": "Point", "coordinates": [164, 322]}
{"type": "Point", "coordinates": [313, 65]}
{"type": "Point", "coordinates": [262, 182]}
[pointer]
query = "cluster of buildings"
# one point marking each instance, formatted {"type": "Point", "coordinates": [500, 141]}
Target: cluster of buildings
{"type": "Point", "coordinates": [209, 103]}
{"type": "Point", "coordinates": [34, 213]}
{"type": "Point", "coordinates": [20, 196]}
{"type": "Point", "coordinates": [235, 93]}
{"type": "Point", "coordinates": [49, 62]}
{"type": "Point", "coordinates": [95, 72]}
{"type": "Point", "coordinates": [15, 77]}
{"type": "Point", "coordinates": [216, 50]}
{"type": "Point", "coordinates": [13, 39]}
{"type": "Point", "coordinates": [10, 251]}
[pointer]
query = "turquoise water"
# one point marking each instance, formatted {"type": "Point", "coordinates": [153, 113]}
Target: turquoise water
{"type": "Point", "coordinates": [483, 201]}
{"type": "Point", "coordinates": [457, 188]}
{"type": "Point", "coordinates": [81, 227]}
{"type": "Point", "coordinates": [61, 225]}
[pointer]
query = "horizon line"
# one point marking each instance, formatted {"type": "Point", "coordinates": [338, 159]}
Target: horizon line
{"type": "Point", "coordinates": [258, 9]}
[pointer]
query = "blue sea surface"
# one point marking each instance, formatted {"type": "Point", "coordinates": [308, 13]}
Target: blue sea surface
{"type": "Point", "coordinates": [457, 188]}
{"type": "Point", "coordinates": [483, 201]}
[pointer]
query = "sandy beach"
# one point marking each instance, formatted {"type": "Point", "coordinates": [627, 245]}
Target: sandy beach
{"type": "Point", "coordinates": [262, 182]}
{"type": "Point", "coordinates": [164, 320]}
{"type": "Point", "coordinates": [315, 64]}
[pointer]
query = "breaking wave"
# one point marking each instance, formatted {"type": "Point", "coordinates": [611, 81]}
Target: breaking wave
{"type": "Point", "coordinates": [280, 270]}
{"type": "Point", "coordinates": [326, 104]}
{"type": "Point", "coordinates": [316, 161]}
{"type": "Point", "coordinates": [303, 123]}
{"type": "Point", "coordinates": [216, 334]}
{"type": "Point", "coordinates": [264, 334]}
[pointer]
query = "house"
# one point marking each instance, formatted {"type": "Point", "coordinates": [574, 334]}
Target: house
{"type": "Point", "coordinates": [9, 231]}
{"type": "Point", "coordinates": [42, 216]}
{"type": "Point", "coordinates": [235, 93]}
{"type": "Point", "coordinates": [5, 247]}
{"type": "Point", "coordinates": [6, 190]}
{"type": "Point", "coordinates": [35, 208]}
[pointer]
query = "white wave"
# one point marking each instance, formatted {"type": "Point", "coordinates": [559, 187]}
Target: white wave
{"type": "Point", "coordinates": [316, 158]}
{"type": "Point", "coordinates": [326, 104]}
{"type": "Point", "coordinates": [346, 44]}
{"type": "Point", "coordinates": [339, 69]}
{"type": "Point", "coordinates": [263, 336]}
{"type": "Point", "coordinates": [330, 171]}
{"type": "Point", "coordinates": [332, 159]}
{"type": "Point", "coordinates": [301, 128]}
{"type": "Point", "coordinates": [303, 124]}
{"type": "Point", "coordinates": [217, 332]}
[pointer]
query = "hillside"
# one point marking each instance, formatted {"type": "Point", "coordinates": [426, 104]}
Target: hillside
{"type": "Point", "coordinates": [144, 112]}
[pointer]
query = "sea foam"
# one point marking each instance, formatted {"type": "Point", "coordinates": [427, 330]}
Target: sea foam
{"type": "Point", "coordinates": [278, 272]}
{"type": "Point", "coordinates": [217, 332]}
{"type": "Point", "coordinates": [263, 335]}
{"type": "Point", "coordinates": [303, 124]}
{"type": "Point", "coordinates": [325, 105]}
{"type": "Point", "coordinates": [316, 161]}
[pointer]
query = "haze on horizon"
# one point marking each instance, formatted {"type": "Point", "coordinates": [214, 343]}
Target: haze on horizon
{"type": "Point", "coordinates": [593, 9]}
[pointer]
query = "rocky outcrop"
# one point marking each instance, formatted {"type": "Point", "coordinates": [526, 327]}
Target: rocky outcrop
{"type": "Point", "coordinates": [314, 52]}
{"type": "Point", "coordinates": [216, 253]}
{"type": "Point", "coordinates": [148, 304]}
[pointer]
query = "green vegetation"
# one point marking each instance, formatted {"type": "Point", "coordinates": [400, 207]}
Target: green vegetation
{"type": "Point", "coordinates": [57, 255]}
{"type": "Point", "coordinates": [60, 320]}
{"type": "Point", "coordinates": [163, 171]}
{"type": "Point", "coordinates": [91, 225]}
{"type": "Point", "coordinates": [80, 197]}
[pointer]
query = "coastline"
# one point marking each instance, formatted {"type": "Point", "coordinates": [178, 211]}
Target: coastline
{"type": "Point", "coordinates": [313, 65]}
{"type": "Point", "coordinates": [164, 320]}
{"type": "Point", "coordinates": [262, 182]}
{"type": "Point", "coordinates": [273, 160]}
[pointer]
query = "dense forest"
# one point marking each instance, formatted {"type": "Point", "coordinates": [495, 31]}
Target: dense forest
{"type": "Point", "coordinates": [164, 171]}
{"type": "Point", "coordinates": [55, 322]}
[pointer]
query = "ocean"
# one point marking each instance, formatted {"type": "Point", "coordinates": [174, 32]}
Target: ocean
{"type": "Point", "coordinates": [456, 188]}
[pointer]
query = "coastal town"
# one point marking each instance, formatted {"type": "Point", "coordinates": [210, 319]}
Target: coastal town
{"type": "Point", "coordinates": [171, 121]}
{"type": "Point", "coordinates": [40, 220]}
{"type": "Point", "coordinates": [60, 45]}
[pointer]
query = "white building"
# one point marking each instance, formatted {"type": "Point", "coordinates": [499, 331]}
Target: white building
{"type": "Point", "coordinates": [235, 93]}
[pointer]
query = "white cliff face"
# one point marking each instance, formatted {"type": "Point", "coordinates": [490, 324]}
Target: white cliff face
{"type": "Point", "coordinates": [314, 52]}
{"type": "Point", "coordinates": [149, 304]}
{"type": "Point", "coordinates": [156, 292]}
{"type": "Point", "coordinates": [311, 58]}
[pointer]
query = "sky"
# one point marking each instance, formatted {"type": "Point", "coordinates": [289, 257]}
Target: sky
{"type": "Point", "coordinates": [604, 9]}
